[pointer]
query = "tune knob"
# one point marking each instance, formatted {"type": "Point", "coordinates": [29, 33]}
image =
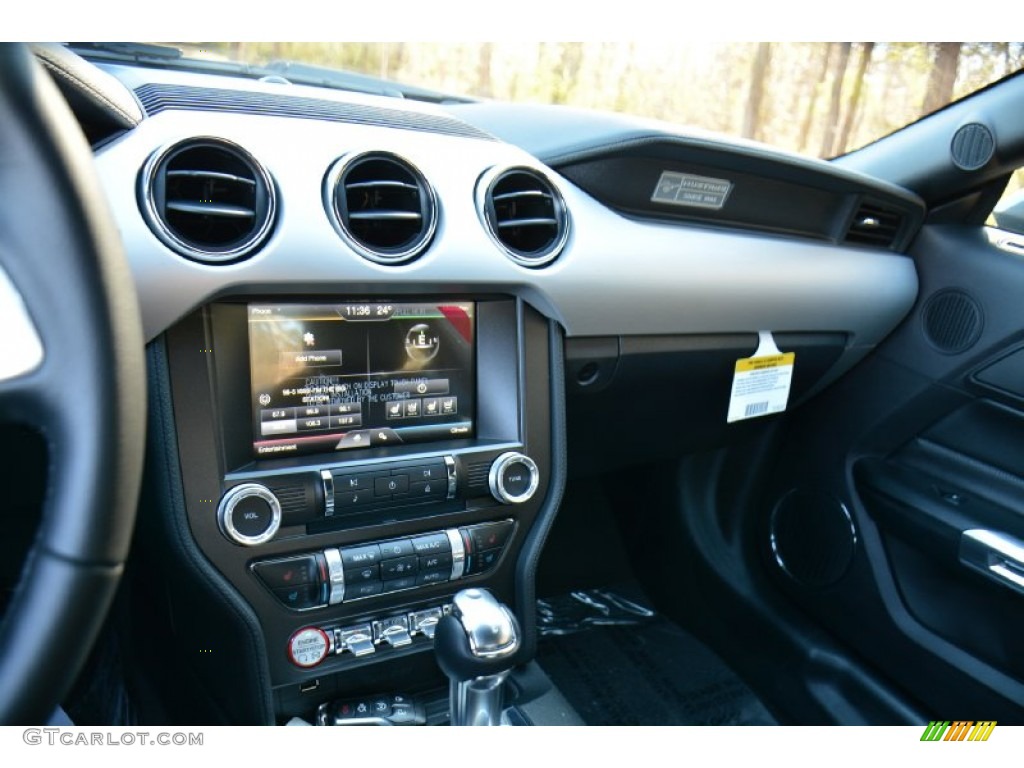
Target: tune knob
{"type": "Point", "coordinates": [513, 478]}
{"type": "Point", "coordinates": [249, 514]}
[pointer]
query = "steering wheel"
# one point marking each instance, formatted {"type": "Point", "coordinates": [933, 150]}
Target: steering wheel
{"type": "Point", "coordinates": [71, 367]}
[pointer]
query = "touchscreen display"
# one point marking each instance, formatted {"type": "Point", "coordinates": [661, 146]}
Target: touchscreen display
{"type": "Point", "coordinates": [333, 377]}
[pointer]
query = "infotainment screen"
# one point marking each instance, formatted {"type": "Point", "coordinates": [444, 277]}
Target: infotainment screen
{"type": "Point", "coordinates": [333, 377]}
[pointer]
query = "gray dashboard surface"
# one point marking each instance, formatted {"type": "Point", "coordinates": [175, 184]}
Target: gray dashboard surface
{"type": "Point", "coordinates": [617, 276]}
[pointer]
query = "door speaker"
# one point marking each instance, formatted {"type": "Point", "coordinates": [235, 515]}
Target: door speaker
{"type": "Point", "coordinates": [952, 321]}
{"type": "Point", "coordinates": [813, 538]}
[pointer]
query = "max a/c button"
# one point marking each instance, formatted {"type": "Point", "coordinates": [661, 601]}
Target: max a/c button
{"type": "Point", "coordinates": [435, 543]}
{"type": "Point", "coordinates": [355, 557]}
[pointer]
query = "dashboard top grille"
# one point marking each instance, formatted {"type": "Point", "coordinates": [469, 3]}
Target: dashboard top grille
{"type": "Point", "coordinates": [156, 98]}
{"type": "Point", "coordinates": [208, 199]}
{"type": "Point", "coordinates": [382, 206]}
{"type": "Point", "coordinates": [525, 215]}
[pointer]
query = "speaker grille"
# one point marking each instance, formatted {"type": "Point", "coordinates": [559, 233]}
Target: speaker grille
{"type": "Point", "coordinates": [972, 146]}
{"type": "Point", "coordinates": [812, 538]}
{"type": "Point", "coordinates": [952, 321]}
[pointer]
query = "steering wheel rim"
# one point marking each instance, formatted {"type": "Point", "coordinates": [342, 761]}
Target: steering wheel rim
{"type": "Point", "coordinates": [65, 281]}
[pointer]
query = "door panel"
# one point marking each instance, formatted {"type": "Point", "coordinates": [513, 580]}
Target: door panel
{"type": "Point", "coordinates": [922, 442]}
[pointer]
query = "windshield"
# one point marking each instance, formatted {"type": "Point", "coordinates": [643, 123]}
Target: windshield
{"type": "Point", "coordinates": [820, 99]}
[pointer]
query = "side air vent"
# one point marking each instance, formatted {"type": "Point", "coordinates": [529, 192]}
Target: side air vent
{"type": "Point", "coordinates": [874, 225]}
{"type": "Point", "coordinates": [525, 215]}
{"type": "Point", "coordinates": [208, 199]}
{"type": "Point", "coordinates": [382, 206]}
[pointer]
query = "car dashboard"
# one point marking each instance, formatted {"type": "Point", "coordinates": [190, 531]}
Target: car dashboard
{"type": "Point", "coordinates": [383, 334]}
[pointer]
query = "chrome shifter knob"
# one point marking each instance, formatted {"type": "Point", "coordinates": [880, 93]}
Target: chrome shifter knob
{"type": "Point", "coordinates": [475, 646]}
{"type": "Point", "coordinates": [490, 627]}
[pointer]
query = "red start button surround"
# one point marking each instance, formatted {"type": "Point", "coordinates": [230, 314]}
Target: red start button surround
{"type": "Point", "coordinates": [308, 647]}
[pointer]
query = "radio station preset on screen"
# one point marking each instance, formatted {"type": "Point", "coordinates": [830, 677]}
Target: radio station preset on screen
{"type": "Point", "coordinates": [331, 377]}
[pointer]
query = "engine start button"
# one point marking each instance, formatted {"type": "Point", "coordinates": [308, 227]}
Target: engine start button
{"type": "Point", "coordinates": [308, 647]}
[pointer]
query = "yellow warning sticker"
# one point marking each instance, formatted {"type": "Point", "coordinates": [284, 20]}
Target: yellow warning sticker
{"type": "Point", "coordinates": [760, 384]}
{"type": "Point", "coordinates": [759, 363]}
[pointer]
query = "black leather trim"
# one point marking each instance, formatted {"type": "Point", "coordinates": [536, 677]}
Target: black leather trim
{"type": "Point", "coordinates": [88, 88]}
{"type": "Point", "coordinates": [529, 556]}
{"type": "Point", "coordinates": [238, 684]}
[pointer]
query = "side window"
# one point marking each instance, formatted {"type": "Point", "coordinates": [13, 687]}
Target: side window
{"type": "Point", "coordinates": [1009, 211]}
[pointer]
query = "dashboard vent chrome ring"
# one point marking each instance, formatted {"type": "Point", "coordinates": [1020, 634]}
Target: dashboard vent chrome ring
{"type": "Point", "coordinates": [381, 205]}
{"type": "Point", "coordinates": [524, 213]}
{"type": "Point", "coordinates": [207, 199]}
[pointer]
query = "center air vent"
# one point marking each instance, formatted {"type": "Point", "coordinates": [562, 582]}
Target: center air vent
{"type": "Point", "coordinates": [208, 199]}
{"type": "Point", "coordinates": [874, 225]}
{"type": "Point", "coordinates": [525, 214]}
{"type": "Point", "coordinates": [382, 206]}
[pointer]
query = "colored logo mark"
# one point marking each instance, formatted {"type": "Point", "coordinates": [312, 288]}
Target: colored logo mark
{"type": "Point", "coordinates": [958, 730]}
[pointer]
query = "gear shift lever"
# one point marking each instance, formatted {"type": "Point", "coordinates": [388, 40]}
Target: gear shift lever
{"type": "Point", "coordinates": [475, 645]}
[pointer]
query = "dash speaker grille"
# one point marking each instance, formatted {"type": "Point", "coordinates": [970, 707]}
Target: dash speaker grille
{"type": "Point", "coordinates": [972, 146]}
{"type": "Point", "coordinates": [952, 321]}
{"type": "Point", "coordinates": [813, 539]}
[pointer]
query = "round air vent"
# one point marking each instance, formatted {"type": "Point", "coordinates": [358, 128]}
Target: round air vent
{"type": "Point", "coordinates": [381, 206]}
{"type": "Point", "coordinates": [972, 146]}
{"type": "Point", "coordinates": [208, 199]}
{"type": "Point", "coordinates": [812, 537]}
{"type": "Point", "coordinates": [952, 321]}
{"type": "Point", "coordinates": [525, 215]}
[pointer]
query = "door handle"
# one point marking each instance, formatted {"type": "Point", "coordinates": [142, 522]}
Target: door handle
{"type": "Point", "coordinates": [998, 556]}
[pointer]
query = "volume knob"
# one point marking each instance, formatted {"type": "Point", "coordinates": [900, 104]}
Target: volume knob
{"type": "Point", "coordinates": [513, 478]}
{"type": "Point", "coordinates": [249, 514]}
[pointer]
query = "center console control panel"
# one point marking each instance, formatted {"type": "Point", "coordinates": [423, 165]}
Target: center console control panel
{"type": "Point", "coordinates": [340, 575]}
{"type": "Point", "coordinates": [390, 709]}
{"type": "Point", "coordinates": [432, 462]}
{"type": "Point", "coordinates": [252, 512]}
{"type": "Point", "coordinates": [309, 646]}
{"type": "Point", "coordinates": [391, 485]}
